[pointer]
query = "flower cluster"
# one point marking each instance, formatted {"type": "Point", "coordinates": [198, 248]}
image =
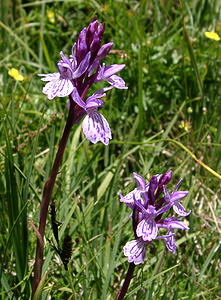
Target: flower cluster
{"type": "Point", "coordinates": [76, 75]}
{"type": "Point", "coordinates": [148, 207]}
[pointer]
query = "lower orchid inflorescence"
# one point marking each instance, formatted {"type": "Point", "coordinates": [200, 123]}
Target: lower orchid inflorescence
{"type": "Point", "coordinates": [148, 207]}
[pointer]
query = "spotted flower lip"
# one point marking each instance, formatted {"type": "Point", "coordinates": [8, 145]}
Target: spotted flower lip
{"type": "Point", "coordinates": [148, 213]}
{"type": "Point", "coordinates": [95, 126]}
{"type": "Point", "coordinates": [135, 251]}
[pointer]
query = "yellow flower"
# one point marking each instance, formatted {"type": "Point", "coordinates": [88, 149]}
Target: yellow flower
{"type": "Point", "coordinates": [212, 35]}
{"type": "Point", "coordinates": [15, 74]}
{"type": "Point", "coordinates": [185, 125]}
{"type": "Point", "coordinates": [50, 15]}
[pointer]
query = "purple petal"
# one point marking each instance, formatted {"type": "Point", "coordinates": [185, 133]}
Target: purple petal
{"type": "Point", "coordinates": [147, 229]}
{"type": "Point", "coordinates": [50, 76]}
{"type": "Point", "coordinates": [129, 198]}
{"type": "Point", "coordinates": [77, 99]}
{"type": "Point", "coordinates": [95, 44]}
{"type": "Point", "coordinates": [65, 59]}
{"type": "Point", "coordinates": [165, 179]}
{"type": "Point", "coordinates": [172, 223]}
{"type": "Point", "coordinates": [117, 81]}
{"type": "Point", "coordinates": [73, 57]}
{"type": "Point", "coordinates": [81, 48]}
{"type": "Point", "coordinates": [96, 128]}
{"type": "Point", "coordinates": [164, 209]}
{"type": "Point", "coordinates": [178, 195]}
{"type": "Point", "coordinates": [93, 102]}
{"type": "Point", "coordinates": [82, 66]}
{"type": "Point", "coordinates": [106, 72]}
{"type": "Point", "coordinates": [152, 187]}
{"type": "Point", "coordinates": [97, 94]}
{"type": "Point", "coordinates": [104, 50]}
{"type": "Point", "coordinates": [65, 67]}
{"type": "Point", "coordinates": [170, 243]}
{"type": "Point", "coordinates": [58, 88]}
{"type": "Point", "coordinates": [135, 251]}
{"type": "Point", "coordinates": [140, 183]}
{"type": "Point", "coordinates": [166, 194]}
{"type": "Point", "coordinates": [180, 210]}
{"type": "Point", "coordinates": [178, 184]}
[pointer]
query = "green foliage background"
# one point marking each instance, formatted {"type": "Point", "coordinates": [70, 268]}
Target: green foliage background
{"type": "Point", "coordinates": [170, 112]}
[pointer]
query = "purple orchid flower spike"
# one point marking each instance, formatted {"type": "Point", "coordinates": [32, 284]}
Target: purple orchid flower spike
{"type": "Point", "coordinates": [148, 214]}
{"type": "Point", "coordinates": [95, 126]}
{"type": "Point", "coordinates": [78, 73]}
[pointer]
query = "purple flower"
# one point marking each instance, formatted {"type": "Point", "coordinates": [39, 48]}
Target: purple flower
{"type": "Point", "coordinates": [135, 251]}
{"type": "Point", "coordinates": [177, 207]}
{"type": "Point", "coordinates": [78, 73]}
{"type": "Point", "coordinates": [148, 214]}
{"type": "Point", "coordinates": [95, 126]}
{"type": "Point", "coordinates": [136, 193]}
{"type": "Point", "coordinates": [61, 84]}
{"type": "Point", "coordinates": [170, 241]}
{"type": "Point", "coordinates": [172, 223]}
{"type": "Point", "coordinates": [108, 74]}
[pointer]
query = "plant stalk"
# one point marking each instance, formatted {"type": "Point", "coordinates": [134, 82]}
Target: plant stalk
{"type": "Point", "coordinates": [122, 292]}
{"type": "Point", "coordinates": [47, 192]}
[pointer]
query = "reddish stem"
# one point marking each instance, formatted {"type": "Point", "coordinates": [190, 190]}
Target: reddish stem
{"type": "Point", "coordinates": [123, 290]}
{"type": "Point", "coordinates": [47, 191]}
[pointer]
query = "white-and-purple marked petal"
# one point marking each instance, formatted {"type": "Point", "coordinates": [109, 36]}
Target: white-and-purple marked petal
{"type": "Point", "coordinates": [58, 88]}
{"type": "Point", "coordinates": [135, 251]}
{"type": "Point", "coordinates": [96, 128]}
{"type": "Point", "coordinates": [180, 210]}
{"type": "Point", "coordinates": [147, 229]}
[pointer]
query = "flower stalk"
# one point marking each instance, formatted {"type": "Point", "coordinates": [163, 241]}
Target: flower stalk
{"type": "Point", "coordinates": [47, 192]}
{"type": "Point", "coordinates": [123, 290]}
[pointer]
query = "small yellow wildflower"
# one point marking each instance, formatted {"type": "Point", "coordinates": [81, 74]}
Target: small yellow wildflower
{"type": "Point", "coordinates": [15, 74]}
{"type": "Point", "coordinates": [185, 125]}
{"type": "Point", "coordinates": [50, 15]}
{"type": "Point", "coordinates": [212, 35]}
{"type": "Point", "coordinates": [104, 8]}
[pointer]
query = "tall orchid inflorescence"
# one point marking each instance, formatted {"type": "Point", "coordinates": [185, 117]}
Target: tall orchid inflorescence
{"type": "Point", "coordinates": [148, 207]}
{"type": "Point", "coordinates": [78, 73]}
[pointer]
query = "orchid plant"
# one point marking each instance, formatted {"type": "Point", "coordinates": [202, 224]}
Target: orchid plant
{"type": "Point", "coordinates": [149, 205]}
{"type": "Point", "coordinates": [76, 74]}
